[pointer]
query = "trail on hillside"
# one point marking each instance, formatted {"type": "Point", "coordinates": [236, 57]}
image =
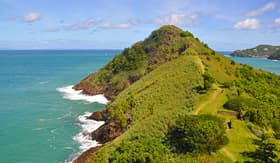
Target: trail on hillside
{"type": "Point", "coordinates": [229, 154]}
{"type": "Point", "coordinates": [212, 97]}
{"type": "Point", "coordinates": [201, 65]}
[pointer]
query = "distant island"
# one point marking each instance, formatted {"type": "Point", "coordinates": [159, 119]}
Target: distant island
{"type": "Point", "coordinates": [261, 51]}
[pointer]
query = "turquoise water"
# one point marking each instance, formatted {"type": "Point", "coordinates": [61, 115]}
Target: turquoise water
{"type": "Point", "coordinates": [259, 63]}
{"type": "Point", "coordinates": [36, 123]}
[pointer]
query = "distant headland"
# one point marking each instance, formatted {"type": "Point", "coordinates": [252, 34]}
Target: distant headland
{"type": "Point", "coordinates": [260, 51]}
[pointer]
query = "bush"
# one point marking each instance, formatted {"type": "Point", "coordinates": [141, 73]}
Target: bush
{"type": "Point", "coordinates": [239, 103]}
{"type": "Point", "coordinates": [199, 134]}
{"type": "Point", "coordinates": [140, 149]}
{"type": "Point", "coordinates": [208, 81]}
{"type": "Point", "coordinates": [186, 34]}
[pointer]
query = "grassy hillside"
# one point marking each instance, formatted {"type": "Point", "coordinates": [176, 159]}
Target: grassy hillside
{"type": "Point", "coordinates": [193, 91]}
{"type": "Point", "coordinates": [163, 45]}
{"type": "Point", "coordinates": [160, 98]}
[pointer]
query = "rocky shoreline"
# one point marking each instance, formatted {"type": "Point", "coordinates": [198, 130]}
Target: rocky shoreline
{"type": "Point", "coordinates": [106, 133]}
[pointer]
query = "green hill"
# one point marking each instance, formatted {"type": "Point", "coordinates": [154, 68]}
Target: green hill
{"type": "Point", "coordinates": [261, 51]}
{"type": "Point", "coordinates": [161, 46]}
{"type": "Point", "coordinates": [176, 107]}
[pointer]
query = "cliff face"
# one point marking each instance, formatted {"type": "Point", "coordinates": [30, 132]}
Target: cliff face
{"type": "Point", "coordinates": [261, 51]}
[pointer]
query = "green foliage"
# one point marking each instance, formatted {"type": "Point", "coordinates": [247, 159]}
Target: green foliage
{"type": "Point", "coordinates": [159, 98]}
{"type": "Point", "coordinates": [139, 149]}
{"type": "Point", "coordinates": [186, 34]}
{"type": "Point", "coordinates": [208, 81]}
{"type": "Point", "coordinates": [240, 104]}
{"type": "Point", "coordinates": [265, 153]}
{"type": "Point", "coordinates": [121, 111]}
{"type": "Point", "coordinates": [263, 88]}
{"type": "Point", "coordinates": [155, 81]}
{"type": "Point", "coordinates": [203, 133]}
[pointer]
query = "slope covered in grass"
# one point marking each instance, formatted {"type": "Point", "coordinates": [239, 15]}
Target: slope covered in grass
{"type": "Point", "coordinates": [163, 45]}
{"type": "Point", "coordinates": [160, 98]}
{"type": "Point", "coordinates": [170, 76]}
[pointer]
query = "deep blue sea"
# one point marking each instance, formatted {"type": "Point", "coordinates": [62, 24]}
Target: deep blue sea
{"type": "Point", "coordinates": [38, 122]}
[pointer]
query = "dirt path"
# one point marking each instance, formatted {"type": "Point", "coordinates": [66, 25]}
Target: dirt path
{"type": "Point", "coordinates": [199, 62]}
{"type": "Point", "coordinates": [228, 154]}
{"type": "Point", "coordinates": [212, 97]}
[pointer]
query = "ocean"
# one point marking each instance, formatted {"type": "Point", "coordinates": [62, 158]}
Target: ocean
{"type": "Point", "coordinates": [41, 118]}
{"type": "Point", "coordinates": [38, 122]}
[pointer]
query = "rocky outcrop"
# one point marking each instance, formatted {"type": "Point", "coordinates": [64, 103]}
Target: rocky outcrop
{"type": "Point", "coordinates": [88, 88]}
{"type": "Point", "coordinates": [99, 115]}
{"type": "Point", "coordinates": [107, 132]}
{"type": "Point", "coordinates": [85, 155]}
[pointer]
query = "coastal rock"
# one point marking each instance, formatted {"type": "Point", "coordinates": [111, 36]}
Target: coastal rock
{"type": "Point", "coordinates": [85, 155]}
{"type": "Point", "coordinates": [88, 89]}
{"type": "Point", "coordinates": [107, 132]}
{"type": "Point", "coordinates": [99, 116]}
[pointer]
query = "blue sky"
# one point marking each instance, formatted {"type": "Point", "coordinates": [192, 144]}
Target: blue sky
{"type": "Point", "coordinates": [116, 24]}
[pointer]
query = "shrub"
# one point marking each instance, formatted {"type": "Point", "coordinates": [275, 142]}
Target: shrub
{"type": "Point", "coordinates": [140, 149]}
{"type": "Point", "coordinates": [186, 34]}
{"type": "Point", "coordinates": [239, 103]}
{"type": "Point", "coordinates": [199, 134]}
{"type": "Point", "coordinates": [208, 81]}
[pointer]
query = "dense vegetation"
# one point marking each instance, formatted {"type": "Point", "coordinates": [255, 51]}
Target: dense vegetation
{"type": "Point", "coordinates": [264, 51]}
{"type": "Point", "coordinates": [173, 93]}
{"type": "Point", "coordinates": [160, 81]}
{"type": "Point", "coordinates": [256, 96]}
{"type": "Point", "coordinates": [197, 134]}
{"type": "Point", "coordinates": [266, 151]}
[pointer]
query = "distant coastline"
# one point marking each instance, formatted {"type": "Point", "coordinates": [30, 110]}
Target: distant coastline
{"type": "Point", "coordinates": [260, 51]}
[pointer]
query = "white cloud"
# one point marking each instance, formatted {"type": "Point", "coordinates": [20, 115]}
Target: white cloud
{"type": "Point", "coordinates": [124, 25]}
{"type": "Point", "coordinates": [177, 19]}
{"type": "Point", "coordinates": [250, 24]}
{"type": "Point", "coordinates": [277, 21]}
{"type": "Point", "coordinates": [31, 17]}
{"type": "Point", "coordinates": [82, 25]}
{"type": "Point", "coordinates": [260, 11]}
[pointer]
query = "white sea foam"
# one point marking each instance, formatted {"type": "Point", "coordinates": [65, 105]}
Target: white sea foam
{"type": "Point", "coordinates": [84, 137]}
{"type": "Point", "coordinates": [71, 94]}
{"type": "Point", "coordinates": [88, 126]}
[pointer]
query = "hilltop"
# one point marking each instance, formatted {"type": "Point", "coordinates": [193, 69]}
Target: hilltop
{"type": "Point", "coordinates": [133, 63]}
{"type": "Point", "coordinates": [172, 84]}
{"type": "Point", "coordinates": [261, 51]}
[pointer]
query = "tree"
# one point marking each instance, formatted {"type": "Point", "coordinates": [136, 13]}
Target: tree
{"type": "Point", "coordinates": [200, 134]}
